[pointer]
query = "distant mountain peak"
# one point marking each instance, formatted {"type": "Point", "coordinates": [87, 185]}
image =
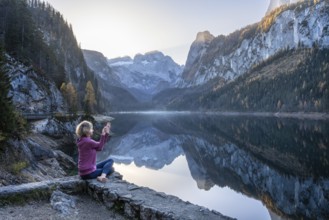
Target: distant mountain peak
{"type": "Point", "coordinates": [146, 74]}
{"type": "Point", "coordinates": [149, 56]}
{"type": "Point", "coordinates": [197, 50]}
{"type": "Point", "coordinates": [204, 36]}
{"type": "Point", "coordinates": [154, 52]}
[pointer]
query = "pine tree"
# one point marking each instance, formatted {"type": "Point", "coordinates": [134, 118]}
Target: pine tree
{"type": "Point", "coordinates": [10, 122]}
{"type": "Point", "coordinates": [90, 99]}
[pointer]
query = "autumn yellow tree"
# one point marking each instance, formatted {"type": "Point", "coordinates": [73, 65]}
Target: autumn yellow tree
{"type": "Point", "coordinates": [70, 94]}
{"type": "Point", "coordinates": [63, 89]}
{"type": "Point", "coordinates": [90, 98]}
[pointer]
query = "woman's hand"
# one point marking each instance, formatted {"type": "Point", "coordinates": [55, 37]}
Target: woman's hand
{"type": "Point", "coordinates": [109, 126]}
{"type": "Point", "coordinates": [106, 129]}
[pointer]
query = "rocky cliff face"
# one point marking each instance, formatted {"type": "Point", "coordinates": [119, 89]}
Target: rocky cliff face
{"type": "Point", "coordinates": [147, 74]}
{"type": "Point", "coordinates": [197, 51]}
{"type": "Point", "coordinates": [98, 63]}
{"type": "Point", "coordinates": [43, 154]}
{"type": "Point", "coordinates": [32, 93]}
{"type": "Point", "coordinates": [228, 57]}
{"type": "Point", "coordinates": [277, 3]}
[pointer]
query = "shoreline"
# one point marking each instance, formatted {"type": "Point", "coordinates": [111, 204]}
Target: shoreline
{"type": "Point", "coordinates": [297, 115]}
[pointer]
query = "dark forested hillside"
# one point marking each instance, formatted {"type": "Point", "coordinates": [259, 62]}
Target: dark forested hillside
{"type": "Point", "coordinates": [10, 122]}
{"type": "Point", "coordinates": [34, 33]}
{"type": "Point", "coordinates": [291, 81]}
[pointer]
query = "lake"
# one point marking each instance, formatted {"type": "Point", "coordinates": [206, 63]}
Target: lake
{"type": "Point", "coordinates": [244, 167]}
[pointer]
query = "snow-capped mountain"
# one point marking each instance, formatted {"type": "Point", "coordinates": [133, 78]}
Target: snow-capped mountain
{"type": "Point", "coordinates": [116, 97]}
{"type": "Point", "coordinates": [228, 57]}
{"type": "Point", "coordinates": [148, 73]}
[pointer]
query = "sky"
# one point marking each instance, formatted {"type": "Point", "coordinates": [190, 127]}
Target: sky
{"type": "Point", "coordinates": [119, 28]}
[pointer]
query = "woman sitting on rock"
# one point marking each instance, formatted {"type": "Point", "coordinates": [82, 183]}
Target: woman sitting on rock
{"type": "Point", "coordinates": [87, 147]}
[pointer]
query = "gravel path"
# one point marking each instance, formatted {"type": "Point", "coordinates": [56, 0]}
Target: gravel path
{"type": "Point", "coordinates": [86, 208]}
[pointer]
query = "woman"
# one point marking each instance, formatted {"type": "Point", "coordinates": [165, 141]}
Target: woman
{"type": "Point", "coordinates": [87, 148]}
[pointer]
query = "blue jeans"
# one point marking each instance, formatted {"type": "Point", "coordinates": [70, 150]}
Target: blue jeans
{"type": "Point", "coordinates": [102, 167]}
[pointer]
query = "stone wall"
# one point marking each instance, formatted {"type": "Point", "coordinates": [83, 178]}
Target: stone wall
{"type": "Point", "coordinates": [132, 201]}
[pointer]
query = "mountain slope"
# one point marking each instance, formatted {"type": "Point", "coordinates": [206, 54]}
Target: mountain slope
{"type": "Point", "coordinates": [227, 57]}
{"type": "Point", "coordinates": [294, 80]}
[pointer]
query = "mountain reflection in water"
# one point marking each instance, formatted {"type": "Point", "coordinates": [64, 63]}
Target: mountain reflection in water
{"type": "Point", "coordinates": [283, 163]}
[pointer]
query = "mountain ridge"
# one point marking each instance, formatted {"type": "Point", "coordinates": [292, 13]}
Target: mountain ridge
{"type": "Point", "coordinates": [145, 74]}
{"type": "Point", "coordinates": [229, 76]}
{"type": "Point", "coordinates": [230, 56]}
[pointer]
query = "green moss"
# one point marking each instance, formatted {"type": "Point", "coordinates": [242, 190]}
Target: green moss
{"type": "Point", "coordinates": [16, 199]}
{"type": "Point", "coordinates": [33, 195]}
{"type": "Point", "coordinates": [2, 137]}
{"type": "Point", "coordinates": [17, 167]}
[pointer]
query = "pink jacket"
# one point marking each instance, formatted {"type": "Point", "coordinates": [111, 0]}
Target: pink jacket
{"type": "Point", "coordinates": [87, 148]}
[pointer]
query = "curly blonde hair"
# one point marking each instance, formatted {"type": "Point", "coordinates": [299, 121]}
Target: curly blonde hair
{"type": "Point", "coordinates": [84, 129]}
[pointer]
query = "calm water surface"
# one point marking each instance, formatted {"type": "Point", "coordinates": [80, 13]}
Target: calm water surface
{"type": "Point", "coordinates": [244, 167]}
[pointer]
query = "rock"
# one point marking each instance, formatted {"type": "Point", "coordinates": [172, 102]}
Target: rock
{"type": "Point", "coordinates": [66, 162]}
{"type": "Point", "coordinates": [197, 51]}
{"type": "Point", "coordinates": [143, 203]}
{"type": "Point", "coordinates": [37, 157]}
{"type": "Point", "coordinates": [63, 203]}
{"type": "Point", "coordinates": [31, 92]}
{"type": "Point", "coordinates": [40, 152]}
{"type": "Point", "coordinates": [20, 194]}
{"type": "Point", "coordinates": [55, 128]}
